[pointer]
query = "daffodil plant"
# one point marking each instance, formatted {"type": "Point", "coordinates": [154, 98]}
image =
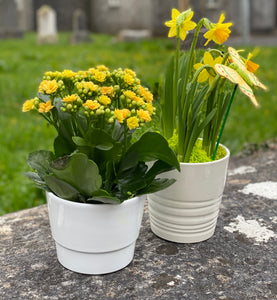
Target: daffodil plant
{"type": "Point", "coordinates": [196, 96]}
{"type": "Point", "coordinates": [94, 158]}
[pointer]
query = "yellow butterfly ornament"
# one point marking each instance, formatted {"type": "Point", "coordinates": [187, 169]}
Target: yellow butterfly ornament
{"type": "Point", "coordinates": [237, 73]}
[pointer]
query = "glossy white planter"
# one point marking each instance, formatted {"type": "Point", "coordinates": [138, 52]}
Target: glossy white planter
{"type": "Point", "coordinates": [95, 238]}
{"type": "Point", "coordinates": [187, 211]}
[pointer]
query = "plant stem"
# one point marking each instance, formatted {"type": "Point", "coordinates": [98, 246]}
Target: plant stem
{"type": "Point", "coordinates": [224, 121]}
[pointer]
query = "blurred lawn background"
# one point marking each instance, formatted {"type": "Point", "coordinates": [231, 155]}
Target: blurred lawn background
{"type": "Point", "coordinates": [23, 63]}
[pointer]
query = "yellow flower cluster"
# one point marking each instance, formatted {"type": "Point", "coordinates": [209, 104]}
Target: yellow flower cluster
{"type": "Point", "coordinates": [96, 93]}
{"type": "Point", "coordinates": [48, 87]}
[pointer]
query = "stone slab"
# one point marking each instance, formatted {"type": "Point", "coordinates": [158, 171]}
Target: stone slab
{"type": "Point", "coordinates": [238, 262]}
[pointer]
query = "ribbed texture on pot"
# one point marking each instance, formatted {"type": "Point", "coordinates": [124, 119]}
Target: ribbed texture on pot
{"type": "Point", "coordinates": [187, 211]}
{"type": "Point", "coordinates": [186, 222]}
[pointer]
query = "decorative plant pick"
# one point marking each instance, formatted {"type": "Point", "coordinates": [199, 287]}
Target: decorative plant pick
{"type": "Point", "coordinates": [237, 73]}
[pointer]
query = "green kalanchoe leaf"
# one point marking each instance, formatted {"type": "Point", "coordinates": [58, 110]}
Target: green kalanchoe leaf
{"type": "Point", "coordinates": [103, 196]}
{"type": "Point", "coordinates": [152, 146]}
{"type": "Point", "coordinates": [62, 189]}
{"type": "Point", "coordinates": [40, 161]}
{"type": "Point", "coordinates": [78, 171]}
{"type": "Point", "coordinates": [156, 185]}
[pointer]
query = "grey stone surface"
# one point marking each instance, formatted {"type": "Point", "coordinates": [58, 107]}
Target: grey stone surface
{"type": "Point", "coordinates": [47, 25]}
{"type": "Point", "coordinates": [230, 265]}
{"type": "Point", "coordinates": [9, 15]}
{"type": "Point", "coordinates": [134, 35]}
{"type": "Point", "coordinates": [80, 27]}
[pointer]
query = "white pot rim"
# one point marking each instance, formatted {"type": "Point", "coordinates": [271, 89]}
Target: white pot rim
{"type": "Point", "coordinates": [78, 204]}
{"type": "Point", "coordinates": [210, 162]}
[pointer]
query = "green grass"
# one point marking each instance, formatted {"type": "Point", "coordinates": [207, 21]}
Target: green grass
{"type": "Point", "coordinates": [23, 62]}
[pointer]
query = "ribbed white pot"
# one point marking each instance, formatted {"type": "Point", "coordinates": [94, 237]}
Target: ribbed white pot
{"type": "Point", "coordinates": [187, 211]}
{"type": "Point", "coordinates": [95, 238]}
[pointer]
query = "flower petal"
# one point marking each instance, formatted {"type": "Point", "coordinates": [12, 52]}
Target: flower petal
{"type": "Point", "coordinates": [208, 59]}
{"type": "Point", "coordinates": [174, 13]}
{"type": "Point", "coordinates": [203, 76]}
{"type": "Point", "coordinates": [221, 18]}
{"type": "Point", "coordinates": [172, 32]}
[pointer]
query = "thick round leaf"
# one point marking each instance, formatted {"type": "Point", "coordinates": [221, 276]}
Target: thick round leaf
{"type": "Point", "coordinates": [152, 146]}
{"type": "Point", "coordinates": [62, 189]}
{"type": "Point", "coordinates": [40, 161]}
{"type": "Point", "coordinates": [81, 173]}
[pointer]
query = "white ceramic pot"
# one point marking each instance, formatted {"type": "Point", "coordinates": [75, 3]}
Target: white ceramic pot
{"type": "Point", "coordinates": [187, 211]}
{"type": "Point", "coordinates": [95, 238]}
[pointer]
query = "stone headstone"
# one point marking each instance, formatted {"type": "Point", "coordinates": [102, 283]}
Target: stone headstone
{"type": "Point", "coordinates": [9, 16]}
{"type": "Point", "coordinates": [46, 25]}
{"type": "Point", "coordinates": [80, 29]}
{"type": "Point", "coordinates": [134, 35]}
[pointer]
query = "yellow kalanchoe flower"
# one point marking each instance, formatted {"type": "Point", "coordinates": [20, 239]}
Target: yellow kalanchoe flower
{"type": "Point", "coordinates": [100, 76]}
{"type": "Point", "coordinates": [150, 108]}
{"type": "Point", "coordinates": [89, 85]}
{"type": "Point", "coordinates": [107, 90]}
{"type": "Point", "coordinates": [129, 94]}
{"type": "Point", "coordinates": [102, 68]}
{"type": "Point", "coordinates": [70, 98]}
{"type": "Point", "coordinates": [104, 100]}
{"type": "Point", "coordinates": [132, 122]}
{"type": "Point", "coordinates": [68, 74]}
{"type": "Point", "coordinates": [28, 105]}
{"type": "Point", "coordinates": [144, 115]}
{"type": "Point", "coordinates": [91, 104]}
{"type": "Point", "coordinates": [45, 107]}
{"type": "Point", "coordinates": [48, 87]}
{"type": "Point", "coordinates": [129, 79]}
{"type": "Point", "coordinates": [219, 32]}
{"type": "Point", "coordinates": [186, 25]}
{"type": "Point", "coordinates": [206, 73]}
{"type": "Point", "coordinates": [131, 72]}
{"type": "Point", "coordinates": [138, 100]}
{"type": "Point", "coordinates": [148, 96]}
{"type": "Point", "coordinates": [121, 114]}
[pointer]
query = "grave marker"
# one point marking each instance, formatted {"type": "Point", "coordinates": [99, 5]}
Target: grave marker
{"type": "Point", "coordinates": [46, 25]}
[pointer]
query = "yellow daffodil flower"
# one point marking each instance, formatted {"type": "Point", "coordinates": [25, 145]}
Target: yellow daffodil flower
{"type": "Point", "coordinates": [207, 74]}
{"type": "Point", "coordinates": [219, 32]}
{"type": "Point", "coordinates": [186, 25]}
{"type": "Point", "coordinates": [132, 122]}
{"type": "Point", "coordinates": [45, 107]}
{"type": "Point", "coordinates": [250, 65]}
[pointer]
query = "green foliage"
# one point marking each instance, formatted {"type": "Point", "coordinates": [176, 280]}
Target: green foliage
{"type": "Point", "coordinates": [77, 178]}
{"type": "Point", "coordinates": [23, 61]}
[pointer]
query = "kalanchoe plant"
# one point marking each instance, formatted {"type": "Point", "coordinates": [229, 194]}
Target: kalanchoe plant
{"type": "Point", "coordinates": [196, 96]}
{"type": "Point", "coordinates": [95, 159]}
